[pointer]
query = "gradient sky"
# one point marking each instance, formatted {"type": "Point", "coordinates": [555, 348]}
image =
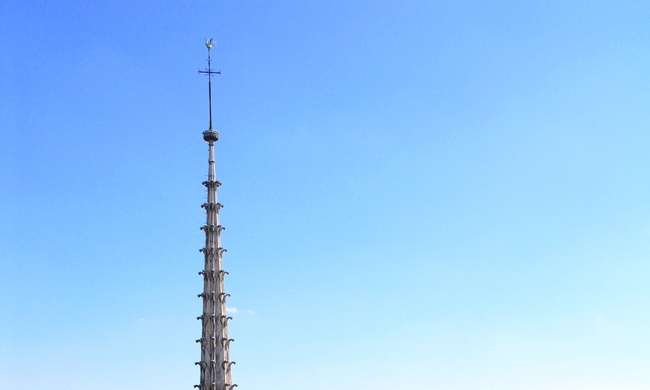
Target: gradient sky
{"type": "Point", "coordinates": [418, 194]}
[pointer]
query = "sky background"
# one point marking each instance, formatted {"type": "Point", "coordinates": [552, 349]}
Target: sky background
{"type": "Point", "coordinates": [418, 194]}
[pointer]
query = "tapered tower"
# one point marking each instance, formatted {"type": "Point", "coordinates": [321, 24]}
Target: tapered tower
{"type": "Point", "coordinates": [215, 361]}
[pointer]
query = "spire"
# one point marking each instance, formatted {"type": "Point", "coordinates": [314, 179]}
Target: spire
{"type": "Point", "coordinates": [215, 364]}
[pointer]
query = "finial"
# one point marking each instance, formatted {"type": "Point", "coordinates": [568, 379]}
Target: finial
{"type": "Point", "coordinates": [209, 43]}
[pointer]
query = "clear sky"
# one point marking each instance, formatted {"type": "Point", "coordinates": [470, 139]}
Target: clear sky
{"type": "Point", "coordinates": [418, 194]}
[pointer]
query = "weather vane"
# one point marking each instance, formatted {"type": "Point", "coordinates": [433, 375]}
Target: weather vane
{"type": "Point", "coordinates": [209, 43]}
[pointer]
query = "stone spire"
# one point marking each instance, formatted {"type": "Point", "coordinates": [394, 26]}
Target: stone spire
{"type": "Point", "coordinates": [215, 361]}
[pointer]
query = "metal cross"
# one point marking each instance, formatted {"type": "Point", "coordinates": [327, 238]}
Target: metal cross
{"type": "Point", "coordinates": [209, 43]}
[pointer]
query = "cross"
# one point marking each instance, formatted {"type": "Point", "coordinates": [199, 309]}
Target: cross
{"type": "Point", "coordinates": [209, 43]}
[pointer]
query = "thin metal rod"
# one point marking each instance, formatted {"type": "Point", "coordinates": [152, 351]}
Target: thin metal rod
{"type": "Point", "coordinates": [210, 86]}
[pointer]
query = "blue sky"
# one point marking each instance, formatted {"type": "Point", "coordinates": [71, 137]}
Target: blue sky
{"type": "Point", "coordinates": [448, 194]}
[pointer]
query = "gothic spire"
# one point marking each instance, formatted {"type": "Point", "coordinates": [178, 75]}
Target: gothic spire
{"type": "Point", "coordinates": [215, 364]}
